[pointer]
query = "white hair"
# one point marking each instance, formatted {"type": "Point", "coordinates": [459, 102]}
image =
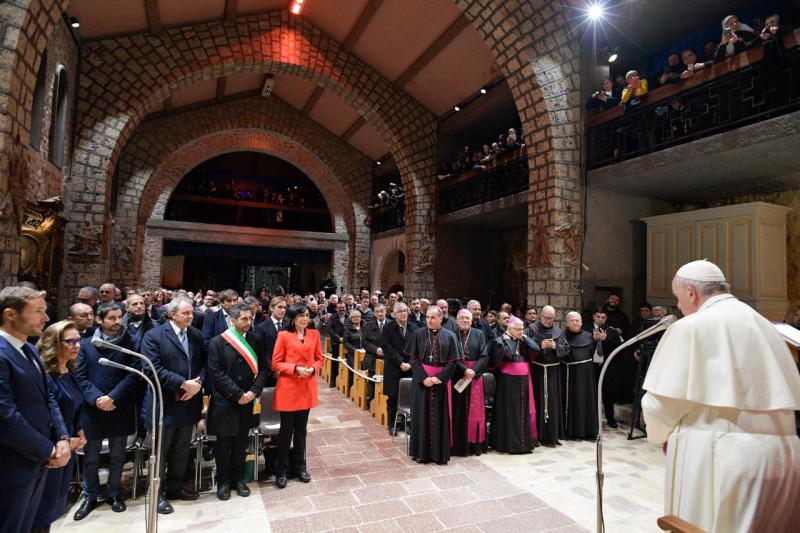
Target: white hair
{"type": "Point", "coordinates": [574, 313]}
{"type": "Point", "coordinates": [704, 288]}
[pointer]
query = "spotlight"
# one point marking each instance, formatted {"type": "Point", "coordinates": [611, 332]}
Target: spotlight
{"type": "Point", "coordinates": [378, 163]}
{"type": "Point", "coordinates": [613, 54]}
{"type": "Point", "coordinates": [613, 57]}
{"type": "Point", "coordinates": [456, 108]}
{"type": "Point", "coordinates": [595, 12]}
{"type": "Point", "coordinates": [74, 22]}
{"type": "Point", "coordinates": [483, 91]}
{"type": "Point", "coordinates": [297, 7]}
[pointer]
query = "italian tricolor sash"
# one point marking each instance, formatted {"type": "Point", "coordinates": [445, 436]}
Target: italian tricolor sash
{"type": "Point", "coordinates": [236, 340]}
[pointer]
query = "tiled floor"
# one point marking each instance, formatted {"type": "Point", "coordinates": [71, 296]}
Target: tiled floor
{"type": "Point", "coordinates": [363, 482]}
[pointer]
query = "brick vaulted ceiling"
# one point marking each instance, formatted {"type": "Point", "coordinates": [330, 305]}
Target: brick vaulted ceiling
{"type": "Point", "coordinates": [425, 47]}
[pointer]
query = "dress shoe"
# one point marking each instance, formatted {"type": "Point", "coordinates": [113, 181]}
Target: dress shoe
{"type": "Point", "coordinates": [117, 504]}
{"type": "Point", "coordinates": [86, 507]}
{"type": "Point", "coordinates": [224, 491]}
{"type": "Point", "coordinates": [612, 423]}
{"type": "Point", "coordinates": [184, 495]}
{"type": "Point", "coordinates": [242, 489]}
{"type": "Point", "coordinates": [281, 481]}
{"type": "Point", "coordinates": [302, 476]}
{"type": "Point", "coordinates": [164, 507]}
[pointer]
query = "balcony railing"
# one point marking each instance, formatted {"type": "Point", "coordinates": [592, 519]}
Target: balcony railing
{"type": "Point", "coordinates": [733, 93]}
{"type": "Point", "coordinates": [387, 218]}
{"type": "Point", "coordinates": [505, 178]}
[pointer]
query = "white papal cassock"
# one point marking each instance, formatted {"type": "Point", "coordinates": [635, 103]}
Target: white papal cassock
{"type": "Point", "coordinates": [722, 390]}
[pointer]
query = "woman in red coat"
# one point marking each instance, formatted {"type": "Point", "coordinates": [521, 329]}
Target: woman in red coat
{"type": "Point", "coordinates": [297, 358]}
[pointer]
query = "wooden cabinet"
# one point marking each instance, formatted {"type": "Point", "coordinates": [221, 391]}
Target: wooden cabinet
{"type": "Point", "coordinates": [747, 241]}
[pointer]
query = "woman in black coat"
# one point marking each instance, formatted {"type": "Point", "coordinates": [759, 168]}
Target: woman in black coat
{"type": "Point", "coordinates": [59, 347]}
{"type": "Point", "coordinates": [238, 375]}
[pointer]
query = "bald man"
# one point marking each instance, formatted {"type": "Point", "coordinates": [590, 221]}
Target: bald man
{"type": "Point", "coordinates": [448, 322]}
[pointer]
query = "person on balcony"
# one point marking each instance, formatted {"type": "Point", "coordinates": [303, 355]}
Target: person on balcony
{"type": "Point", "coordinates": [672, 72]}
{"type": "Point", "coordinates": [604, 99]}
{"type": "Point", "coordinates": [770, 39]}
{"type": "Point", "coordinates": [635, 92]}
{"type": "Point", "coordinates": [735, 37]}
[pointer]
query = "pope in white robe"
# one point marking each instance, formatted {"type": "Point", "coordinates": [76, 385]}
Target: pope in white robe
{"type": "Point", "coordinates": [721, 391]}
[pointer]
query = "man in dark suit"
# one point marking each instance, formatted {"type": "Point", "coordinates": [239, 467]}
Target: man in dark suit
{"type": "Point", "coordinates": [176, 350]}
{"type": "Point", "coordinates": [268, 331]}
{"type": "Point", "coordinates": [33, 436]}
{"type": "Point", "coordinates": [380, 339]}
{"type": "Point", "coordinates": [83, 317]}
{"type": "Point", "coordinates": [607, 340]}
{"type": "Point", "coordinates": [109, 410]}
{"type": "Point", "coordinates": [152, 310]}
{"type": "Point", "coordinates": [239, 369]}
{"type": "Point", "coordinates": [136, 320]}
{"type": "Point", "coordinates": [395, 360]}
{"type": "Point", "coordinates": [215, 322]}
{"type": "Point", "coordinates": [415, 313]}
{"type": "Point", "coordinates": [336, 328]}
{"type": "Point", "coordinates": [478, 322]}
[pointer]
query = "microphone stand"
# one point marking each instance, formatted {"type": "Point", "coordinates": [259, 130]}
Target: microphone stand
{"type": "Point", "coordinates": [600, 476]}
{"type": "Point", "coordinates": [154, 461]}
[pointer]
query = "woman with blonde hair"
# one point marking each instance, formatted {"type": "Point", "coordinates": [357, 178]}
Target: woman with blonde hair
{"type": "Point", "coordinates": [59, 347]}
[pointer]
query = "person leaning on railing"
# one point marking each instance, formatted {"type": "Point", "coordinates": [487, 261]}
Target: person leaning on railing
{"type": "Point", "coordinates": [636, 90]}
{"type": "Point", "coordinates": [735, 37]}
{"type": "Point", "coordinates": [604, 99]}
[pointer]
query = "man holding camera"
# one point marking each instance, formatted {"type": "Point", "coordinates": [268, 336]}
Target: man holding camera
{"type": "Point", "coordinates": [607, 340]}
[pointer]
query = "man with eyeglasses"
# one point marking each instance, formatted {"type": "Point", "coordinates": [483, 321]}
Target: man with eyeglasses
{"type": "Point", "coordinates": [107, 294]}
{"type": "Point", "coordinates": [546, 373]}
{"type": "Point", "coordinates": [109, 409]}
{"type": "Point", "coordinates": [88, 295]}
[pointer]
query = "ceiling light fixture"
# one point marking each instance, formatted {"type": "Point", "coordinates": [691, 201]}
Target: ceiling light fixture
{"type": "Point", "coordinates": [613, 54]}
{"type": "Point", "coordinates": [595, 11]}
{"type": "Point", "coordinates": [613, 57]}
{"type": "Point", "coordinates": [483, 91]}
{"type": "Point", "coordinates": [456, 108]}
{"type": "Point", "coordinates": [378, 163]}
{"type": "Point", "coordinates": [74, 22]}
{"type": "Point", "coordinates": [297, 7]}
{"type": "Point", "coordinates": [269, 84]}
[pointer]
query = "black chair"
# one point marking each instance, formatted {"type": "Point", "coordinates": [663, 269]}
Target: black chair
{"type": "Point", "coordinates": [269, 426]}
{"type": "Point", "coordinates": [489, 385]}
{"type": "Point", "coordinates": [403, 409]}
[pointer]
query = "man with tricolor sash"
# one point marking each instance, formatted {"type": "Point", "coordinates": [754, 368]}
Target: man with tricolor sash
{"type": "Point", "coordinates": [239, 369]}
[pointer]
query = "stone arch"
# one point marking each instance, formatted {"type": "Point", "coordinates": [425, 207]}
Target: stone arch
{"type": "Point", "coordinates": [155, 142]}
{"type": "Point", "coordinates": [125, 77]}
{"type": "Point", "coordinates": [389, 275]}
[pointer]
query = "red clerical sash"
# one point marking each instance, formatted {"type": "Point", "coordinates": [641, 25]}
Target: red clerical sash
{"type": "Point", "coordinates": [523, 369]}
{"type": "Point", "coordinates": [476, 429]}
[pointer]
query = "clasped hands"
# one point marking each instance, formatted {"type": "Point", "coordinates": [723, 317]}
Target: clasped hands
{"type": "Point", "coordinates": [60, 454]}
{"type": "Point", "coordinates": [190, 387]}
{"type": "Point", "coordinates": [304, 371]}
{"type": "Point", "coordinates": [431, 381]}
{"type": "Point", "coordinates": [247, 397]}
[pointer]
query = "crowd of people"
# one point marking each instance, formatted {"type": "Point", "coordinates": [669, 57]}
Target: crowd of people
{"type": "Point", "coordinates": [481, 159]}
{"type": "Point", "coordinates": [231, 347]}
{"type": "Point", "coordinates": [232, 189]}
{"type": "Point", "coordinates": [631, 90]}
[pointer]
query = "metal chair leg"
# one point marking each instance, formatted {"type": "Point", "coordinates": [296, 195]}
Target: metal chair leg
{"type": "Point", "coordinates": [394, 427]}
{"type": "Point", "coordinates": [198, 467]}
{"type": "Point", "coordinates": [255, 455]}
{"type": "Point", "coordinates": [135, 471]}
{"type": "Point", "coordinates": [408, 438]}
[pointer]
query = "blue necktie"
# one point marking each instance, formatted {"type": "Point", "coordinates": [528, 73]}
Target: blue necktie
{"type": "Point", "coordinates": [184, 343]}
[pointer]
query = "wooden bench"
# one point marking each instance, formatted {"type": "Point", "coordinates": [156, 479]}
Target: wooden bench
{"type": "Point", "coordinates": [325, 374]}
{"type": "Point", "coordinates": [343, 379]}
{"type": "Point", "coordinates": [378, 408]}
{"type": "Point", "coordinates": [358, 392]}
{"type": "Point", "coordinates": [677, 525]}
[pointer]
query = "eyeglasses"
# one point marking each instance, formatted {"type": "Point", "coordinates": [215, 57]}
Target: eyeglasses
{"type": "Point", "coordinates": [71, 342]}
{"type": "Point", "coordinates": [548, 318]}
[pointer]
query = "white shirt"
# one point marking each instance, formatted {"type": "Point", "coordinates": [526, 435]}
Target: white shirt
{"type": "Point", "coordinates": [176, 329]}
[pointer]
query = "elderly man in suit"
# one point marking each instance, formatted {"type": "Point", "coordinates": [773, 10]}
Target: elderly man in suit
{"type": "Point", "coordinates": [83, 317]}
{"type": "Point", "coordinates": [176, 350]}
{"type": "Point", "coordinates": [109, 410]}
{"type": "Point", "coordinates": [239, 368]}
{"type": "Point", "coordinates": [215, 322]}
{"type": "Point", "coordinates": [395, 360]}
{"type": "Point", "coordinates": [136, 320]}
{"type": "Point", "coordinates": [33, 436]}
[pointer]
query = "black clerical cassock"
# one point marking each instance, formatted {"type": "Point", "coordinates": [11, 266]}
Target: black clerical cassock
{"type": "Point", "coordinates": [468, 407]}
{"type": "Point", "coordinates": [580, 394]}
{"type": "Point", "coordinates": [431, 354]}
{"type": "Point", "coordinates": [514, 411]}
{"type": "Point", "coordinates": [546, 373]}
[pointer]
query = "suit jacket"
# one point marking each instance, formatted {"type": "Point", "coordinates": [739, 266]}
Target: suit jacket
{"type": "Point", "coordinates": [232, 377]}
{"type": "Point", "coordinates": [393, 355]}
{"type": "Point", "coordinates": [419, 322]}
{"type": "Point", "coordinates": [268, 333]}
{"type": "Point", "coordinates": [336, 331]}
{"type": "Point", "coordinates": [96, 380]}
{"type": "Point", "coordinates": [214, 323]}
{"type": "Point", "coordinates": [162, 346]}
{"type": "Point", "coordinates": [294, 393]}
{"type": "Point", "coordinates": [137, 334]}
{"type": "Point", "coordinates": [30, 420]}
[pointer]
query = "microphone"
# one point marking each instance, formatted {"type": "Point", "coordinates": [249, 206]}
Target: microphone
{"type": "Point", "coordinates": [662, 325]}
{"type": "Point", "coordinates": [156, 435]}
